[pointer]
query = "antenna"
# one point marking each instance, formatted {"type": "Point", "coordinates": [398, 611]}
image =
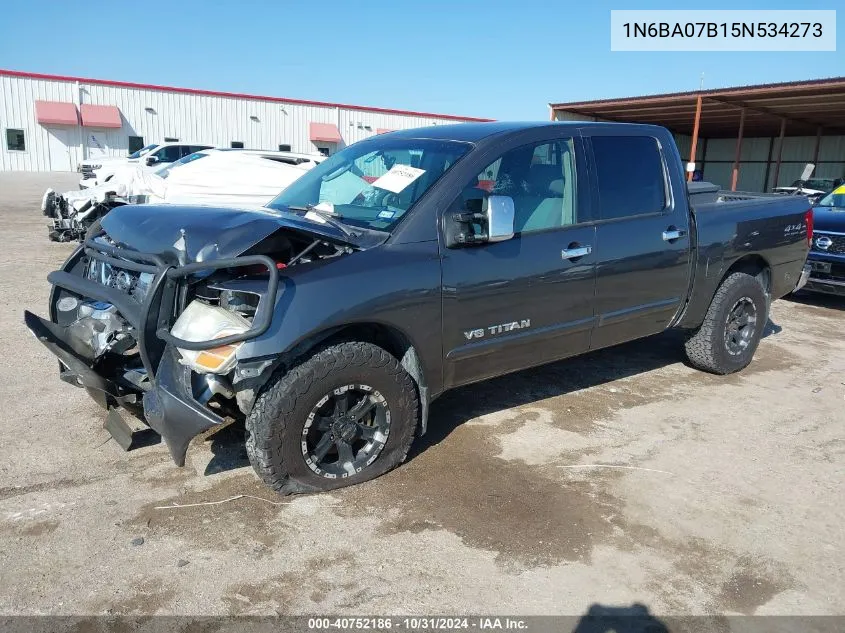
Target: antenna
{"type": "Point", "coordinates": [701, 82]}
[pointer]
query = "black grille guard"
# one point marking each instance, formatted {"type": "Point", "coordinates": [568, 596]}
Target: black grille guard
{"type": "Point", "coordinates": [153, 316]}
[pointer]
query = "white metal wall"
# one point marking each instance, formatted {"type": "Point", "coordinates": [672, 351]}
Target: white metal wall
{"type": "Point", "coordinates": [192, 118]}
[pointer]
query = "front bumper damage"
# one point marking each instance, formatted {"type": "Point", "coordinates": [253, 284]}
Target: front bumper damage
{"type": "Point", "coordinates": [165, 400]}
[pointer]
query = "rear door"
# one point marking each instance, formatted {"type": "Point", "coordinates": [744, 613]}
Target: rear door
{"type": "Point", "coordinates": [528, 300]}
{"type": "Point", "coordinates": [642, 236]}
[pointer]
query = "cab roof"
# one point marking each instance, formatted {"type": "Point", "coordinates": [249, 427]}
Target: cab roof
{"type": "Point", "coordinates": [473, 132]}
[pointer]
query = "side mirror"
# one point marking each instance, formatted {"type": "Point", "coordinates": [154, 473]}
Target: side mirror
{"type": "Point", "coordinates": [499, 214]}
{"type": "Point", "coordinates": [150, 160]}
{"type": "Point", "coordinates": [480, 221]}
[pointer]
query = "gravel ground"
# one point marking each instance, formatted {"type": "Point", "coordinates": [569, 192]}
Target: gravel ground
{"type": "Point", "coordinates": [725, 494]}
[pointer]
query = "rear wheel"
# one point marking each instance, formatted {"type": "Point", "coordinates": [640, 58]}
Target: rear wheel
{"type": "Point", "coordinates": [727, 339]}
{"type": "Point", "coordinates": [345, 415]}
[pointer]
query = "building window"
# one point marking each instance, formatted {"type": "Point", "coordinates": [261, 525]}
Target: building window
{"type": "Point", "coordinates": [237, 145]}
{"type": "Point", "coordinates": [135, 143]}
{"type": "Point", "coordinates": [323, 150]}
{"type": "Point", "coordinates": [15, 140]}
{"type": "Point", "coordinates": [284, 148]}
{"type": "Point", "coordinates": [168, 139]}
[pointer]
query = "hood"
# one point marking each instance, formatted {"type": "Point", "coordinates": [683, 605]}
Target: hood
{"type": "Point", "coordinates": [213, 232]}
{"type": "Point", "coordinates": [829, 219]}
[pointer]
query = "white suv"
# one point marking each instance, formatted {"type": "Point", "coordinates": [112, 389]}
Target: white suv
{"type": "Point", "coordinates": [96, 171]}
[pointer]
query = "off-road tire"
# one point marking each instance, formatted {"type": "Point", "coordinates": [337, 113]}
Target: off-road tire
{"type": "Point", "coordinates": [706, 348]}
{"type": "Point", "coordinates": [275, 423]}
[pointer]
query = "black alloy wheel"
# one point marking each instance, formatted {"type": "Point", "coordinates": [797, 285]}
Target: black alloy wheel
{"type": "Point", "coordinates": [345, 431]}
{"type": "Point", "coordinates": [741, 326]}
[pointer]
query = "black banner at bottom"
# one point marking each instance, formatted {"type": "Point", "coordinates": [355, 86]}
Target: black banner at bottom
{"type": "Point", "coordinates": [607, 621]}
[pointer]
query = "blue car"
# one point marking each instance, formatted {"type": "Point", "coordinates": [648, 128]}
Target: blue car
{"type": "Point", "coordinates": [827, 255]}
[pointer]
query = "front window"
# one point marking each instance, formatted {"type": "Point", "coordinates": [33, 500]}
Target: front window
{"type": "Point", "coordinates": [372, 184]}
{"type": "Point", "coordinates": [143, 150]}
{"type": "Point", "coordinates": [835, 198]}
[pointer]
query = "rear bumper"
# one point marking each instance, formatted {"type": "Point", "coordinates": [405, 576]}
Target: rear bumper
{"type": "Point", "coordinates": [804, 278]}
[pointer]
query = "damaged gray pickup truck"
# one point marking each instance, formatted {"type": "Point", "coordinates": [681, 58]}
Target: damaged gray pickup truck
{"type": "Point", "coordinates": [403, 266]}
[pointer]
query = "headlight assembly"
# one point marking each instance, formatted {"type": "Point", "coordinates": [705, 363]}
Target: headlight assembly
{"type": "Point", "coordinates": [202, 322]}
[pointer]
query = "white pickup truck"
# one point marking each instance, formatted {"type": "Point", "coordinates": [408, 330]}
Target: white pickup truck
{"type": "Point", "coordinates": [96, 171]}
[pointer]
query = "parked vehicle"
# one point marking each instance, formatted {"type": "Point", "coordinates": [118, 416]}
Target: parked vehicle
{"type": "Point", "coordinates": [330, 320]}
{"type": "Point", "coordinates": [827, 255]}
{"type": "Point", "coordinates": [241, 177]}
{"type": "Point", "coordinates": [813, 188]}
{"type": "Point", "coordinates": [96, 171]}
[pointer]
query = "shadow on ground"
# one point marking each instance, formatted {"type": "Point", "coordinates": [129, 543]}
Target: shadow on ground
{"type": "Point", "coordinates": [633, 619]}
{"type": "Point", "coordinates": [818, 300]}
{"type": "Point", "coordinates": [507, 392]}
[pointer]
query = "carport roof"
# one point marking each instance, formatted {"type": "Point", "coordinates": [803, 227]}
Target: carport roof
{"type": "Point", "coordinates": [805, 105]}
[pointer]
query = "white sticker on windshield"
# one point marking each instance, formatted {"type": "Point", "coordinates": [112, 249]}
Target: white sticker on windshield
{"type": "Point", "coordinates": [399, 177]}
{"type": "Point", "coordinates": [386, 215]}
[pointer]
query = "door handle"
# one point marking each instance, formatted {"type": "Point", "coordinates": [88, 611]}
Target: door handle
{"type": "Point", "coordinates": [574, 253]}
{"type": "Point", "coordinates": [670, 235]}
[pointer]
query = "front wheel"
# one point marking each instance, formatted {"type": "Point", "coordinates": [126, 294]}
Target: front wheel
{"type": "Point", "coordinates": [727, 339]}
{"type": "Point", "coordinates": [344, 415]}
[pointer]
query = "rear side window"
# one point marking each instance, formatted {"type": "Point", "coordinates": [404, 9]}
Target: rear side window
{"type": "Point", "coordinates": [630, 176]}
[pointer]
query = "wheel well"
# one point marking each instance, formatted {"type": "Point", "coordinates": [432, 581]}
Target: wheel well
{"type": "Point", "coordinates": [755, 266]}
{"type": "Point", "coordinates": [399, 346]}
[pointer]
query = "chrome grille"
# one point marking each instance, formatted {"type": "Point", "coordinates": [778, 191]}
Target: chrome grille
{"type": "Point", "coordinates": [836, 246]}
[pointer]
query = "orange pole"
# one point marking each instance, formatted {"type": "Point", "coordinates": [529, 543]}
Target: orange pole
{"type": "Point", "coordinates": [695, 134]}
{"type": "Point", "coordinates": [818, 143]}
{"type": "Point", "coordinates": [735, 174]}
{"type": "Point", "coordinates": [780, 152]}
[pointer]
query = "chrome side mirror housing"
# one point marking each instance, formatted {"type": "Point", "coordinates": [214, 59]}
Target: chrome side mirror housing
{"type": "Point", "coordinates": [499, 213]}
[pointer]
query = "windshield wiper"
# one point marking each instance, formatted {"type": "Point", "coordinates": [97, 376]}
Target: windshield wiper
{"type": "Point", "coordinates": [327, 216]}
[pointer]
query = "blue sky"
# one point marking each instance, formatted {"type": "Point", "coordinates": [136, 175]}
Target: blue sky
{"type": "Point", "coordinates": [498, 59]}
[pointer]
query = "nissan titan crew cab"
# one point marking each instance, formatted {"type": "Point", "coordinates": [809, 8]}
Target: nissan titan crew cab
{"type": "Point", "coordinates": [403, 266]}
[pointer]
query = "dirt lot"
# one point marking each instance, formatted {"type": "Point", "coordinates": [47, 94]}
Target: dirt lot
{"type": "Point", "coordinates": [715, 494]}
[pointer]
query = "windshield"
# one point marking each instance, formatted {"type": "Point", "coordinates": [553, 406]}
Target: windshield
{"type": "Point", "coordinates": [835, 198]}
{"type": "Point", "coordinates": [164, 171]}
{"type": "Point", "coordinates": [143, 150]}
{"type": "Point", "coordinates": [372, 184]}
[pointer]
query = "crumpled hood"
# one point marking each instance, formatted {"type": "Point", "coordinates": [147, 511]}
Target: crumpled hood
{"type": "Point", "coordinates": [829, 219]}
{"type": "Point", "coordinates": [212, 232]}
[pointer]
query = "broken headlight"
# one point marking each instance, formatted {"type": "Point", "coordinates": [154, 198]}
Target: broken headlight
{"type": "Point", "coordinates": [203, 322]}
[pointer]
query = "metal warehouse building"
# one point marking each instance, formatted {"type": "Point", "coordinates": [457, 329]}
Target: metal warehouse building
{"type": "Point", "coordinates": [751, 138]}
{"type": "Point", "coordinates": [50, 123]}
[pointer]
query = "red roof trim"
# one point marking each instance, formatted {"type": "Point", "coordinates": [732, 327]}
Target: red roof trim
{"type": "Point", "coordinates": [100, 116]}
{"type": "Point", "coordinates": [234, 95]}
{"type": "Point", "coordinates": [56, 113]}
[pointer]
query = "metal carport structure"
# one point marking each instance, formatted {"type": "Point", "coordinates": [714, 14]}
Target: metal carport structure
{"type": "Point", "coordinates": [813, 111]}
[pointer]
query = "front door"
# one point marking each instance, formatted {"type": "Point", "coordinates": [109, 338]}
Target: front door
{"type": "Point", "coordinates": [527, 300]}
{"type": "Point", "coordinates": [59, 149]}
{"type": "Point", "coordinates": [643, 268]}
